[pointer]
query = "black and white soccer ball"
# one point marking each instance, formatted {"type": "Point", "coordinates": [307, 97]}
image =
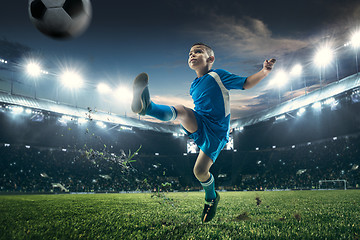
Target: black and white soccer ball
{"type": "Point", "coordinates": [60, 19]}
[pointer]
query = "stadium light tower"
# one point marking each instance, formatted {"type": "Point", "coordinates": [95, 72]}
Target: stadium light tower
{"type": "Point", "coordinates": [33, 69]}
{"type": "Point", "coordinates": [323, 57]}
{"type": "Point", "coordinates": [279, 80]}
{"type": "Point", "coordinates": [103, 88]}
{"type": "Point", "coordinates": [71, 79]}
{"type": "Point", "coordinates": [297, 71]}
{"type": "Point", "coordinates": [123, 94]}
{"type": "Point", "coordinates": [355, 39]}
{"type": "Point", "coordinates": [355, 42]}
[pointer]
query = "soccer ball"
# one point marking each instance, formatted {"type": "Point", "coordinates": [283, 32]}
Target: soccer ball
{"type": "Point", "coordinates": [60, 19]}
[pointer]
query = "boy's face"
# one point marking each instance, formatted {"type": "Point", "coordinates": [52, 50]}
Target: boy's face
{"type": "Point", "coordinates": [199, 58]}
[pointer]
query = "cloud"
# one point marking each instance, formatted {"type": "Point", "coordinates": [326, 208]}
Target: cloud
{"type": "Point", "coordinates": [242, 105]}
{"type": "Point", "coordinates": [11, 50]}
{"type": "Point", "coordinates": [250, 37]}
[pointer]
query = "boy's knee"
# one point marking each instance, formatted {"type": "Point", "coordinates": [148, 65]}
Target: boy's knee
{"type": "Point", "coordinates": [180, 109]}
{"type": "Point", "coordinates": [201, 173]}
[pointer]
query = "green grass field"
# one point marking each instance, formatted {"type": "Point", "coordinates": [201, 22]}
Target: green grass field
{"type": "Point", "coordinates": [280, 215]}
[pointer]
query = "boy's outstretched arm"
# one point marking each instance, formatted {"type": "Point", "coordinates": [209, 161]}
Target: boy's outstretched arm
{"type": "Point", "coordinates": [254, 79]}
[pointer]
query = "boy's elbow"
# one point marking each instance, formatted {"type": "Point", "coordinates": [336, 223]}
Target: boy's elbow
{"type": "Point", "coordinates": [246, 85]}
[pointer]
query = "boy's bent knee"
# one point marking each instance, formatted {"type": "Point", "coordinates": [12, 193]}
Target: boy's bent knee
{"type": "Point", "coordinates": [187, 118]}
{"type": "Point", "coordinates": [181, 110]}
{"type": "Point", "coordinates": [201, 174]}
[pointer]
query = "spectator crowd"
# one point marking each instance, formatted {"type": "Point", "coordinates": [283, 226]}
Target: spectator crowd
{"type": "Point", "coordinates": [39, 170]}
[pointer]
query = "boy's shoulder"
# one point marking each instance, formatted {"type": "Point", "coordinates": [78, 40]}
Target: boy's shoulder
{"type": "Point", "coordinates": [221, 71]}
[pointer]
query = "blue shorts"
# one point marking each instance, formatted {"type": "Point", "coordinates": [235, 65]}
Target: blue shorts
{"type": "Point", "coordinates": [209, 136]}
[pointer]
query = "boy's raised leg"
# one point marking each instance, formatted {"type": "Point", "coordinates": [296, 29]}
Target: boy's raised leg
{"type": "Point", "coordinates": [142, 105]}
{"type": "Point", "coordinates": [141, 95]}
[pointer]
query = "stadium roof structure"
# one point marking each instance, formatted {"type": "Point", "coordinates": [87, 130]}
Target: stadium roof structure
{"type": "Point", "coordinates": [328, 91]}
{"type": "Point", "coordinates": [323, 93]}
{"type": "Point", "coordinates": [60, 108]}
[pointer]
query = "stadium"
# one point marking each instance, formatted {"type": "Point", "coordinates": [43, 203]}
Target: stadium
{"type": "Point", "coordinates": [74, 164]}
{"type": "Point", "coordinates": [307, 142]}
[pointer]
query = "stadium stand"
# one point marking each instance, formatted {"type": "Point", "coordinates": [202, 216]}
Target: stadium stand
{"type": "Point", "coordinates": [44, 145]}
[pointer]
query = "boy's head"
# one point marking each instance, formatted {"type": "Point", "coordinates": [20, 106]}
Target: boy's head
{"type": "Point", "coordinates": [208, 49]}
{"type": "Point", "coordinates": [201, 57]}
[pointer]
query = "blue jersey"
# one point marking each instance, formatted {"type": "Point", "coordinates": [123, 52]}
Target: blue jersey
{"type": "Point", "coordinates": [210, 94]}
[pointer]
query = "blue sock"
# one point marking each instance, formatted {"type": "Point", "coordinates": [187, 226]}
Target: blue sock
{"type": "Point", "coordinates": [209, 187]}
{"type": "Point", "coordinates": [162, 112]}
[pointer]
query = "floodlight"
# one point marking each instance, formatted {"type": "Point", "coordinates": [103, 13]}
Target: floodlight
{"type": "Point", "coordinates": [329, 101]}
{"type": "Point", "coordinates": [280, 79]}
{"type": "Point", "coordinates": [316, 105]}
{"type": "Point", "coordinates": [82, 120]}
{"type": "Point", "coordinates": [17, 109]}
{"type": "Point", "coordinates": [239, 128]}
{"type": "Point", "coordinates": [355, 39]}
{"type": "Point", "coordinates": [301, 111]}
{"type": "Point", "coordinates": [296, 70]}
{"type": "Point", "coordinates": [281, 117]}
{"type": "Point", "coordinates": [33, 69]}
{"type": "Point", "coordinates": [67, 118]}
{"type": "Point", "coordinates": [323, 56]}
{"type": "Point", "coordinates": [103, 88]}
{"type": "Point", "coordinates": [128, 128]}
{"type": "Point", "coordinates": [101, 124]}
{"type": "Point", "coordinates": [71, 79]}
{"type": "Point", "coordinates": [123, 94]}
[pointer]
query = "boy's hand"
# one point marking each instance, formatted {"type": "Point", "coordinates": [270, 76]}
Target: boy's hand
{"type": "Point", "coordinates": [254, 79]}
{"type": "Point", "coordinates": [269, 64]}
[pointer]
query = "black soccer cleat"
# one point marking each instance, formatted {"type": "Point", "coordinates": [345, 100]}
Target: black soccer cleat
{"type": "Point", "coordinates": [210, 209]}
{"type": "Point", "coordinates": [141, 95]}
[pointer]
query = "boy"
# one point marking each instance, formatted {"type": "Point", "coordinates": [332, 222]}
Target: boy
{"type": "Point", "coordinates": [209, 123]}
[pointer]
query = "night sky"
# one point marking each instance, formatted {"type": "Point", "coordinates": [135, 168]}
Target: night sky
{"type": "Point", "coordinates": [129, 37]}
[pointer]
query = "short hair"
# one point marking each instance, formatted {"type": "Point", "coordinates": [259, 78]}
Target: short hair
{"type": "Point", "coordinates": [208, 49]}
